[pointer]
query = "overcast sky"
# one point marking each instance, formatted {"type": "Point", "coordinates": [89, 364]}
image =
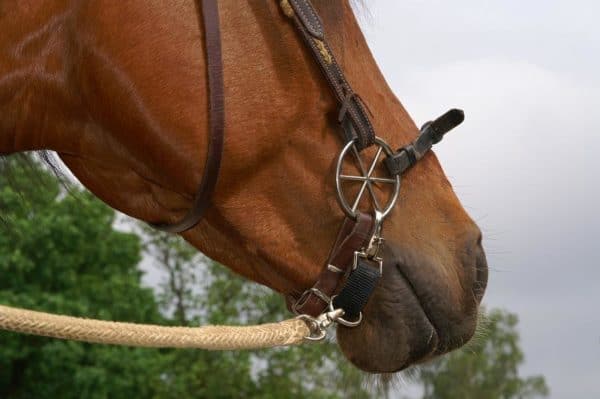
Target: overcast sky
{"type": "Point", "coordinates": [526, 162]}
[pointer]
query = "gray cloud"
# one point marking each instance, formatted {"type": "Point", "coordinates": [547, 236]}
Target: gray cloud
{"type": "Point", "coordinates": [524, 163]}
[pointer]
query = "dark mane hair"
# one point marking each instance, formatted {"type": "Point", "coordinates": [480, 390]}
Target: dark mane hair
{"type": "Point", "coordinates": [30, 163]}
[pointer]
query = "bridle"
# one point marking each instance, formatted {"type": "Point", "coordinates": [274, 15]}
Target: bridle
{"type": "Point", "coordinates": [355, 264]}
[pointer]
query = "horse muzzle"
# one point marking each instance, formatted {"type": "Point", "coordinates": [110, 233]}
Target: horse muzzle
{"type": "Point", "coordinates": [418, 311]}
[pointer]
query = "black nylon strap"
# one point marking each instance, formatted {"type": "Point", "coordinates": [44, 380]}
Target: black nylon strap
{"type": "Point", "coordinates": [357, 290]}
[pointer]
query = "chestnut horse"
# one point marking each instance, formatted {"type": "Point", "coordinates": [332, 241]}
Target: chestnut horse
{"type": "Point", "coordinates": [118, 90]}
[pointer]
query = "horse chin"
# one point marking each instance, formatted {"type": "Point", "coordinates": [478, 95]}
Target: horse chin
{"type": "Point", "coordinates": [395, 332]}
{"type": "Point", "coordinates": [404, 324]}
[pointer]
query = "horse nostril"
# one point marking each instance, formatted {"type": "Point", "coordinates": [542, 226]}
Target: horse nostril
{"type": "Point", "coordinates": [481, 276]}
{"type": "Point", "coordinates": [480, 264]}
{"type": "Point", "coordinates": [473, 240]}
{"type": "Point", "coordinates": [474, 262]}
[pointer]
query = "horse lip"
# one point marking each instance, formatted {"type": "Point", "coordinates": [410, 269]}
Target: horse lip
{"type": "Point", "coordinates": [397, 319]}
{"type": "Point", "coordinates": [453, 326]}
{"type": "Point", "coordinates": [481, 279]}
{"type": "Point", "coordinates": [435, 335]}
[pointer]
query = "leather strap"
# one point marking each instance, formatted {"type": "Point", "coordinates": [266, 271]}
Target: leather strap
{"type": "Point", "coordinates": [354, 285]}
{"type": "Point", "coordinates": [353, 115]}
{"type": "Point", "coordinates": [356, 125]}
{"type": "Point", "coordinates": [202, 199]}
{"type": "Point", "coordinates": [431, 133]}
{"type": "Point", "coordinates": [354, 235]}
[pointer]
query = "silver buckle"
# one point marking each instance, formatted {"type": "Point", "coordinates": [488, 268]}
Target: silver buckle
{"type": "Point", "coordinates": [320, 294]}
{"type": "Point", "coordinates": [365, 256]}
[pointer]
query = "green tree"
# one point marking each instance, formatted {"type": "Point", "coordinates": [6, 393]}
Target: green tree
{"type": "Point", "coordinates": [60, 253]}
{"type": "Point", "coordinates": [197, 290]}
{"type": "Point", "coordinates": [485, 368]}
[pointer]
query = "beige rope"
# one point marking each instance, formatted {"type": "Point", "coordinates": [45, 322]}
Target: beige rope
{"type": "Point", "coordinates": [288, 332]}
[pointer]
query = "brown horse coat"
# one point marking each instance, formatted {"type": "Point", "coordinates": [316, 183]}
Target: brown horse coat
{"type": "Point", "coordinates": [118, 90]}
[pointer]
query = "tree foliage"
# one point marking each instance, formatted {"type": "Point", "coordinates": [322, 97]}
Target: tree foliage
{"type": "Point", "coordinates": [59, 253]}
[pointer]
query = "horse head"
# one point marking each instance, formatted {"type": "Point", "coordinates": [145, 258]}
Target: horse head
{"type": "Point", "coordinates": [119, 91]}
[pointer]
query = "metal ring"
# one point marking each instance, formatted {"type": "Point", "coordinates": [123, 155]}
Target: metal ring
{"type": "Point", "coordinates": [351, 324]}
{"type": "Point", "coordinates": [343, 321]}
{"type": "Point", "coordinates": [366, 178]}
{"type": "Point", "coordinates": [304, 297]}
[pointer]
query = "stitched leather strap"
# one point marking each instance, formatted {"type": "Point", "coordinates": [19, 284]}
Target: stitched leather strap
{"type": "Point", "coordinates": [353, 236]}
{"type": "Point", "coordinates": [353, 116]}
{"type": "Point", "coordinates": [431, 133]}
{"type": "Point", "coordinates": [202, 199]}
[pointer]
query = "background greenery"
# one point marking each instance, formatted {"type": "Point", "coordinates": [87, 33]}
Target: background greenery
{"type": "Point", "coordinates": [60, 252]}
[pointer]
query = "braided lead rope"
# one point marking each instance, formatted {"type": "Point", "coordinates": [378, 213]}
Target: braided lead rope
{"type": "Point", "coordinates": [285, 333]}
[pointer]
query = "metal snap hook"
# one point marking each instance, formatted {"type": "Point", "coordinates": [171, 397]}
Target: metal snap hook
{"type": "Point", "coordinates": [318, 325]}
{"type": "Point", "coordinates": [339, 319]}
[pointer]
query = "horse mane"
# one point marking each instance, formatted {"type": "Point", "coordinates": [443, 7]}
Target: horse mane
{"type": "Point", "coordinates": [32, 164]}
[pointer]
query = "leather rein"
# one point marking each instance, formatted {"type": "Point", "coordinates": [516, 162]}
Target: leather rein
{"type": "Point", "coordinates": [355, 265]}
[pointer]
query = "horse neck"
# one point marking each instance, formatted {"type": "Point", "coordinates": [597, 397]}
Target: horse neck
{"type": "Point", "coordinates": [129, 119]}
{"type": "Point", "coordinates": [35, 97]}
